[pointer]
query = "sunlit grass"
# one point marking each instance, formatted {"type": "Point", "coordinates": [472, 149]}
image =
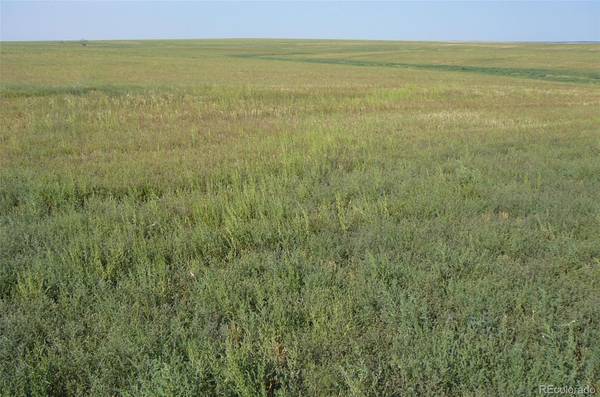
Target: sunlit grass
{"type": "Point", "coordinates": [180, 220]}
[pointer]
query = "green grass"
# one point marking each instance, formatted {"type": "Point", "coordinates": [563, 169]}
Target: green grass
{"type": "Point", "coordinates": [199, 218]}
{"type": "Point", "coordinates": [567, 76]}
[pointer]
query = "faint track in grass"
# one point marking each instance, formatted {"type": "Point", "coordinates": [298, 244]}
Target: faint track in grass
{"type": "Point", "coordinates": [562, 76]}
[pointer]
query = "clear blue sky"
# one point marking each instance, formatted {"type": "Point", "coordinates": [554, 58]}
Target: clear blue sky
{"type": "Point", "coordinates": [480, 21]}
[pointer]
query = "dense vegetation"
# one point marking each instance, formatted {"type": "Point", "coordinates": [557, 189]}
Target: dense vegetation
{"type": "Point", "coordinates": [298, 218]}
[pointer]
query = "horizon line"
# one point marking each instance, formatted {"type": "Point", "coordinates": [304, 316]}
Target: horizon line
{"type": "Point", "coordinates": [305, 39]}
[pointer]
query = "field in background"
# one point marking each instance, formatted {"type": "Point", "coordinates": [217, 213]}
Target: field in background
{"type": "Point", "coordinates": [298, 218]}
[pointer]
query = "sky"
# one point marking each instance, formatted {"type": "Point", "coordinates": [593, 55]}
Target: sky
{"type": "Point", "coordinates": [424, 20]}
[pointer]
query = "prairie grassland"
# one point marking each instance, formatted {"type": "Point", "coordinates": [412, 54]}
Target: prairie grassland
{"type": "Point", "coordinates": [298, 218]}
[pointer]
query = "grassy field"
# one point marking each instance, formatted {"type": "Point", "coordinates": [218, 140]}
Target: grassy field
{"type": "Point", "coordinates": [298, 218]}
